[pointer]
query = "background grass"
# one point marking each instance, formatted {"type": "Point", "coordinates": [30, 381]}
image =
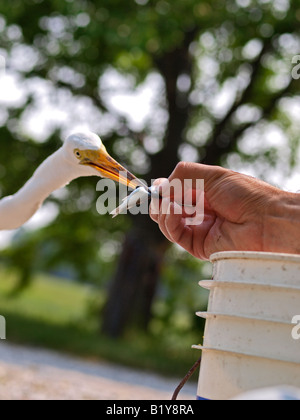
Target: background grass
{"type": "Point", "coordinates": [56, 314]}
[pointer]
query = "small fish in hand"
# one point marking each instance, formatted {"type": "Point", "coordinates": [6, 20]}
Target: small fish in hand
{"type": "Point", "coordinates": [139, 196]}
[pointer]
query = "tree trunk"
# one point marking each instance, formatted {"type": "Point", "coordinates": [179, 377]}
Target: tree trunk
{"type": "Point", "coordinates": [135, 282]}
{"type": "Point", "coordinates": [137, 275]}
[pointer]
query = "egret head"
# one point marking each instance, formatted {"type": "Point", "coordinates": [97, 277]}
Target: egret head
{"type": "Point", "coordinates": [87, 151]}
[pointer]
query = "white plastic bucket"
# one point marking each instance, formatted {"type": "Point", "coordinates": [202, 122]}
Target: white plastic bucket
{"type": "Point", "coordinates": [257, 267]}
{"type": "Point", "coordinates": [225, 375]}
{"type": "Point", "coordinates": [252, 336]}
{"type": "Point", "coordinates": [248, 340]}
{"type": "Point", "coordinates": [263, 301]}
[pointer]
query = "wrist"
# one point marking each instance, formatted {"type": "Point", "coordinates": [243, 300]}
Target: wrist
{"type": "Point", "coordinates": [282, 226]}
{"type": "Point", "coordinates": [287, 206]}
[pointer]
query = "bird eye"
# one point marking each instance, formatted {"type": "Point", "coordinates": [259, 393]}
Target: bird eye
{"type": "Point", "coordinates": [77, 154]}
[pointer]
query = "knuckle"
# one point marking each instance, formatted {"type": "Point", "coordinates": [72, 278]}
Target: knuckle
{"type": "Point", "coordinates": [181, 166]}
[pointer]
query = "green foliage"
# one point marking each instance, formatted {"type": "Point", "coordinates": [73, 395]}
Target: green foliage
{"type": "Point", "coordinates": [173, 315]}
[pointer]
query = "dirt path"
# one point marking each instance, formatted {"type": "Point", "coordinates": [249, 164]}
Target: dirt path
{"type": "Point", "coordinates": [31, 374]}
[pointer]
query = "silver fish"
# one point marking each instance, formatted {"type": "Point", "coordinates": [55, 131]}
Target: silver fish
{"type": "Point", "coordinates": [137, 197]}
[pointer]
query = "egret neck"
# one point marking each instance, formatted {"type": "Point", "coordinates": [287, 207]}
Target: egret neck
{"type": "Point", "coordinates": [54, 173]}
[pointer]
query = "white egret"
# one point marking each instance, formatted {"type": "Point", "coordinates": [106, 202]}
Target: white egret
{"type": "Point", "coordinates": [81, 155]}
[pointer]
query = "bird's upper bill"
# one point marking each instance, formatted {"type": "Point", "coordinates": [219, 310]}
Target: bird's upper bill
{"type": "Point", "coordinates": [108, 167]}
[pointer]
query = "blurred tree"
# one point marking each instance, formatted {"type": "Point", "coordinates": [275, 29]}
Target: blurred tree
{"type": "Point", "coordinates": [220, 73]}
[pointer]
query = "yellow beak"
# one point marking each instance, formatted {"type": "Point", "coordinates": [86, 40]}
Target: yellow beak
{"type": "Point", "coordinates": [109, 168]}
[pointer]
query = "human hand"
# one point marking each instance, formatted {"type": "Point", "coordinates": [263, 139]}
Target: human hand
{"type": "Point", "coordinates": [241, 213]}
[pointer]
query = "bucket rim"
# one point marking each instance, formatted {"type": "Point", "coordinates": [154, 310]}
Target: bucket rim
{"type": "Point", "coordinates": [242, 318]}
{"type": "Point", "coordinates": [252, 255]}
{"type": "Point", "coordinates": [211, 284]}
{"type": "Point", "coordinates": [241, 354]}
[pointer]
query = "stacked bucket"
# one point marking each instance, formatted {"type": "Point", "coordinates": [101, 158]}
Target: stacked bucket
{"type": "Point", "coordinates": [248, 342]}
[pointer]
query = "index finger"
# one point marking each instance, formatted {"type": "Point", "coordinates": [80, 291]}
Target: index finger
{"type": "Point", "coordinates": [196, 171]}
